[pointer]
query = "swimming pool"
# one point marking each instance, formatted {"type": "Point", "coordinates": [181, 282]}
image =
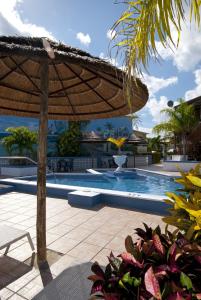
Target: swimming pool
{"type": "Point", "coordinates": [134, 182]}
{"type": "Point", "coordinates": [137, 189]}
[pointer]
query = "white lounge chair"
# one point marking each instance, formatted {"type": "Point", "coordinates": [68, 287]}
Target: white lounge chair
{"type": "Point", "coordinates": [10, 235]}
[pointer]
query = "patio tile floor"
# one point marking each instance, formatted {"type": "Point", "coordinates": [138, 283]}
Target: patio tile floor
{"type": "Point", "coordinates": [78, 236]}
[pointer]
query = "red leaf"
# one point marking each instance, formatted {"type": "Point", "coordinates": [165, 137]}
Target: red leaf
{"type": "Point", "coordinates": [158, 245]}
{"type": "Point", "coordinates": [97, 287]}
{"type": "Point", "coordinates": [111, 297]}
{"type": "Point", "coordinates": [97, 270]}
{"type": "Point", "coordinates": [173, 255]}
{"type": "Point", "coordinates": [151, 284]}
{"type": "Point", "coordinates": [173, 250]}
{"type": "Point", "coordinates": [176, 296]}
{"type": "Point", "coordinates": [128, 258]}
{"type": "Point", "coordinates": [95, 278]}
{"type": "Point", "coordinates": [129, 244]}
{"type": "Point", "coordinates": [161, 271]}
{"type": "Point", "coordinates": [198, 258]}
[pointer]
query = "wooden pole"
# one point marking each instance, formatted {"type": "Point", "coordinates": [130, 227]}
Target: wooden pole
{"type": "Point", "coordinates": [42, 151]}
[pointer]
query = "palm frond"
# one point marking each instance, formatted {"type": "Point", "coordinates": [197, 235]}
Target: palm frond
{"type": "Point", "coordinates": [144, 23]}
{"type": "Point", "coordinates": [181, 119]}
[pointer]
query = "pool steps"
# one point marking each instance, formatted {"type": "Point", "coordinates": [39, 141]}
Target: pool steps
{"type": "Point", "coordinates": [84, 198]}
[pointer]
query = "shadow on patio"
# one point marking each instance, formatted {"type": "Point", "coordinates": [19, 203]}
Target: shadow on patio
{"type": "Point", "coordinates": [72, 283]}
{"type": "Point", "coordinates": [12, 269]}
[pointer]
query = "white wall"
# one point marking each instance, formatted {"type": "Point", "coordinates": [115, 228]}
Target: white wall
{"type": "Point", "coordinates": [18, 171]}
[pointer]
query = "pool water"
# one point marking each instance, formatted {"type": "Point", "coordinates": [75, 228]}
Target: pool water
{"type": "Point", "coordinates": [131, 182]}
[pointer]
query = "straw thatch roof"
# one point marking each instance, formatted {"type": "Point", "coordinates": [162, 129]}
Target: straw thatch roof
{"type": "Point", "coordinates": [81, 86]}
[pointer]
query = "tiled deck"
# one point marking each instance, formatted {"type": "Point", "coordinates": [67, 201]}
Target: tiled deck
{"type": "Point", "coordinates": [77, 237]}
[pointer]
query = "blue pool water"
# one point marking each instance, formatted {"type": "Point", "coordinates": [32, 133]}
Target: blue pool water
{"type": "Point", "coordinates": [131, 182]}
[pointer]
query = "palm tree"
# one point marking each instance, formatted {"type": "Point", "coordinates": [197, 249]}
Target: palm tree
{"type": "Point", "coordinates": [181, 121]}
{"type": "Point", "coordinates": [109, 126]}
{"type": "Point", "coordinates": [20, 141]}
{"type": "Point", "coordinates": [154, 144]}
{"type": "Point", "coordinates": [145, 23]}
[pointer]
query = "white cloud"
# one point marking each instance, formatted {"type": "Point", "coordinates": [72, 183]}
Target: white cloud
{"type": "Point", "coordinates": [155, 84]}
{"type": "Point", "coordinates": [84, 39]}
{"type": "Point", "coordinates": [111, 60]}
{"type": "Point", "coordinates": [155, 106]}
{"type": "Point", "coordinates": [12, 23]}
{"type": "Point", "coordinates": [197, 90]}
{"type": "Point", "coordinates": [111, 34]}
{"type": "Point", "coordinates": [164, 52]}
{"type": "Point", "coordinates": [144, 129]}
{"type": "Point", "coordinates": [188, 54]}
{"type": "Point", "coordinates": [147, 130]}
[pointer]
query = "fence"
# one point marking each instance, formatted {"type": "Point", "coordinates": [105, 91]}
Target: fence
{"type": "Point", "coordinates": [65, 164]}
{"type": "Point", "coordinates": [74, 164]}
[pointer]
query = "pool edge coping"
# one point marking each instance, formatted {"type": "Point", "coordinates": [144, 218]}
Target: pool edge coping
{"type": "Point", "coordinates": [68, 188]}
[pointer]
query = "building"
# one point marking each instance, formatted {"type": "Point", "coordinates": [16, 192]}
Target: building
{"type": "Point", "coordinates": [102, 128]}
{"type": "Point", "coordinates": [194, 138]}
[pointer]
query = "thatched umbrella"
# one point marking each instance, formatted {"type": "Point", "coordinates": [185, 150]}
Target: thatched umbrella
{"type": "Point", "coordinates": [43, 79]}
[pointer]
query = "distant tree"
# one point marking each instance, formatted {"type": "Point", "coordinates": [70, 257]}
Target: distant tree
{"type": "Point", "coordinates": [154, 144]}
{"type": "Point", "coordinates": [20, 142]}
{"type": "Point", "coordinates": [181, 121]}
{"type": "Point", "coordinates": [109, 126]}
{"type": "Point", "coordinates": [83, 124]}
{"type": "Point", "coordinates": [69, 141]}
{"type": "Point", "coordinates": [99, 129]}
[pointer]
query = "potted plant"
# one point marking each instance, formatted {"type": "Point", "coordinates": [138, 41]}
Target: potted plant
{"type": "Point", "coordinates": [119, 159]}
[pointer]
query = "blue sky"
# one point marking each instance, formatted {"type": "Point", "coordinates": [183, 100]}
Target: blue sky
{"type": "Point", "coordinates": [85, 24]}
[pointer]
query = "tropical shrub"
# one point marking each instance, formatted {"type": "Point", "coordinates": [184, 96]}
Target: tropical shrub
{"type": "Point", "coordinates": [157, 266]}
{"type": "Point", "coordinates": [185, 211]}
{"type": "Point", "coordinates": [155, 144]}
{"type": "Point", "coordinates": [69, 141]}
{"type": "Point", "coordinates": [20, 142]}
{"type": "Point", "coordinates": [156, 157]}
{"type": "Point", "coordinates": [181, 121]}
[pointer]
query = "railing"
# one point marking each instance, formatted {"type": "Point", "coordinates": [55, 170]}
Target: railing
{"type": "Point", "coordinates": [81, 163]}
{"type": "Point", "coordinates": [19, 166]}
{"type": "Point", "coordinates": [16, 161]}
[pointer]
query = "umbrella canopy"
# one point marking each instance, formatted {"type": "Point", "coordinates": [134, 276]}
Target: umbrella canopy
{"type": "Point", "coordinates": [41, 78]}
{"type": "Point", "coordinates": [80, 86]}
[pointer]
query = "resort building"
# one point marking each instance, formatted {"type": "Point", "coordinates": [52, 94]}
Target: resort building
{"type": "Point", "coordinates": [194, 138]}
{"type": "Point", "coordinates": [94, 134]}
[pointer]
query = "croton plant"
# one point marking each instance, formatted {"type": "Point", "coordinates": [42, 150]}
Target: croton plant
{"type": "Point", "coordinates": [157, 266]}
{"type": "Point", "coordinates": [160, 266]}
{"type": "Point", "coordinates": [185, 211]}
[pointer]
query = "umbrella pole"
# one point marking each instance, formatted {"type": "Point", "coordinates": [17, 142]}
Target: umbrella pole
{"type": "Point", "coordinates": [42, 152]}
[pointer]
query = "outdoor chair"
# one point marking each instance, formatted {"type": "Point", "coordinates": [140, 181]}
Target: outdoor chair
{"type": "Point", "coordinates": [10, 235]}
{"type": "Point", "coordinates": [111, 163]}
{"type": "Point", "coordinates": [69, 165]}
{"type": "Point", "coordinates": [62, 166]}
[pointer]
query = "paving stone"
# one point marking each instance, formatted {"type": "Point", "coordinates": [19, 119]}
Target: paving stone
{"type": "Point", "coordinates": [78, 237]}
